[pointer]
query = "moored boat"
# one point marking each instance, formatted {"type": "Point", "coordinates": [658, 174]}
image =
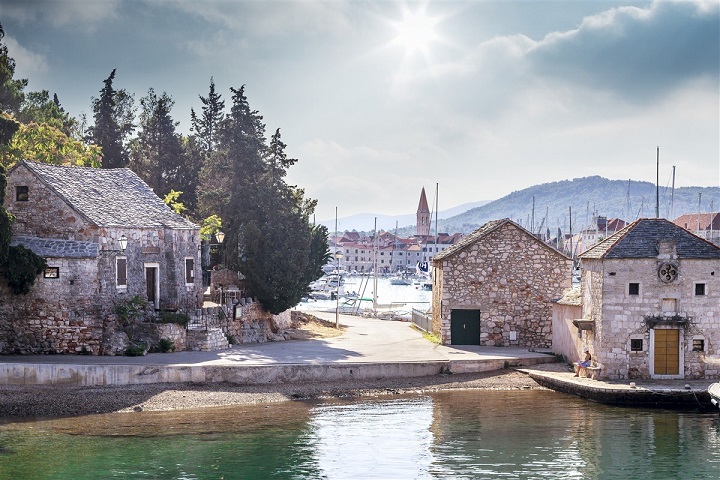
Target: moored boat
{"type": "Point", "coordinates": [714, 391]}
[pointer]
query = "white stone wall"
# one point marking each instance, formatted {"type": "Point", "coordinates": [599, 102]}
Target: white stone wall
{"type": "Point", "coordinates": [620, 317]}
{"type": "Point", "coordinates": [512, 278]}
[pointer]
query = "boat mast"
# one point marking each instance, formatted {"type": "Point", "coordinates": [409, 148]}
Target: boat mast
{"type": "Point", "coordinates": [375, 279]}
{"type": "Point", "coordinates": [436, 216]}
{"type": "Point", "coordinates": [657, 185]}
{"type": "Point", "coordinates": [672, 195]}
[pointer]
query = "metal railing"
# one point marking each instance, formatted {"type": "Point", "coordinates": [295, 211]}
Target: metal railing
{"type": "Point", "coordinates": [422, 320]}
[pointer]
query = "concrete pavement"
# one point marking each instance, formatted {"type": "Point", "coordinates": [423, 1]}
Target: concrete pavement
{"type": "Point", "coordinates": [368, 348]}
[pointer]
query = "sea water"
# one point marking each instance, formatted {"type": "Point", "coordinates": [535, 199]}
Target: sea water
{"type": "Point", "coordinates": [449, 435]}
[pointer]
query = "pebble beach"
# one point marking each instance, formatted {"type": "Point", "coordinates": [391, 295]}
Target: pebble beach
{"type": "Point", "coordinates": [26, 402]}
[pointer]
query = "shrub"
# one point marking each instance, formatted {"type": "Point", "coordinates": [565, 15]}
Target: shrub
{"type": "Point", "coordinates": [174, 317]}
{"type": "Point", "coordinates": [165, 345]}
{"type": "Point", "coordinates": [131, 308]}
{"type": "Point", "coordinates": [135, 350]}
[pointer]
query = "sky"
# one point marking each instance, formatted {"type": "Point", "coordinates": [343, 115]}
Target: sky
{"type": "Point", "coordinates": [378, 98]}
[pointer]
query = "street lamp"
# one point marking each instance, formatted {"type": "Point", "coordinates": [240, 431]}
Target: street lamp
{"type": "Point", "coordinates": [220, 236]}
{"type": "Point", "coordinates": [338, 256]}
{"type": "Point", "coordinates": [123, 242]}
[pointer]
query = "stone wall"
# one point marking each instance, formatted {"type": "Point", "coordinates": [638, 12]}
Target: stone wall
{"type": "Point", "coordinates": [512, 278]}
{"type": "Point", "coordinates": [621, 317]}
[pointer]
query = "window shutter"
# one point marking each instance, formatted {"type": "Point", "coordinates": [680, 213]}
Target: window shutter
{"type": "Point", "coordinates": [121, 272]}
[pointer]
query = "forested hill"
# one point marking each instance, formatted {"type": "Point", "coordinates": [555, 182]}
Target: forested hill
{"type": "Point", "coordinates": [586, 197]}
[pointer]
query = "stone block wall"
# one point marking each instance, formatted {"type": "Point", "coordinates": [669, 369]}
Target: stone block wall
{"type": "Point", "coordinates": [512, 278]}
{"type": "Point", "coordinates": [621, 317]}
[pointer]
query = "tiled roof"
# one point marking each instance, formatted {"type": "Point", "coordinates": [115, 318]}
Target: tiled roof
{"type": "Point", "coordinates": [482, 232]}
{"type": "Point", "coordinates": [422, 204]}
{"type": "Point", "coordinates": [640, 240]}
{"type": "Point", "coordinates": [470, 239]}
{"type": "Point", "coordinates": [109, 197]}
{"type": "Point", "coordinates": [57, 248]}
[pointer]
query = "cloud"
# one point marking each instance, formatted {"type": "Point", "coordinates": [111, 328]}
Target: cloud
{"type": "Point", "coordinates": [637, 54]}
{"type": "Point", "coordinates": [27, 63]}
{"type": "Point", "coordinates": [269, 18]}
{"type": "Point", "coordinates": [78, 13]}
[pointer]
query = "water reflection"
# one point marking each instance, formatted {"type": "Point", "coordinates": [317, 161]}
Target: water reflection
{"type": "Point", "coordinates": [474, 434]}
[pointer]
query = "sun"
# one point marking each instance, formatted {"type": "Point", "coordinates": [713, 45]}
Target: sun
{"type": "Point", "coordinates": [416, 31]}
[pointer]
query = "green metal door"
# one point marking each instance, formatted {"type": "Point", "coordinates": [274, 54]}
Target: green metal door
{"type": "Point", "coordinates": [465, 327]}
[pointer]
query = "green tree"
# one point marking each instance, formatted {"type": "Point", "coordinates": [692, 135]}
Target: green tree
{"type": "Point", "coordinates": [39, 108]}
{"type": "Point", "coordinates": [114, 112]}
{"type": "Point", "coordinates": [11, 90]}
{"type": "Point", "coordinates": [46, 144]}
{"type": "Point", "coordinates": [207, 127]}
{"type": "Point", "coordinates": [268, 234]}
{"type": "Point", "coordinates": [157, 153]}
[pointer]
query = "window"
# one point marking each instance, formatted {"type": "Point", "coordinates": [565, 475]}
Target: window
{"type": "Point", "coordinates": [699, 289]}
{"type": "Point", "coordinates": [51, 272]}
{"type": "Point", "coordinates": [633, 289]}
{"type": "Point", "coordinates": [189, 271]}
{"type": "Point", "coordinates": [698, 345]}
{"type": "Point", "coordinates": [22, 193]}
{"type": "Point", "coordinates": [121, 272]}
{"type": "Point", "coordinates": [636, 344]}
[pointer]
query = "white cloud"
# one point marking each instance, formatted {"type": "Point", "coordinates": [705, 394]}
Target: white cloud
{"type": "Point", "coordinates": [27, 63]}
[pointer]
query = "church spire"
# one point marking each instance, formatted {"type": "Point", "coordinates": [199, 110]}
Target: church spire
{"type": "Point", "coordinates": [423, 216]}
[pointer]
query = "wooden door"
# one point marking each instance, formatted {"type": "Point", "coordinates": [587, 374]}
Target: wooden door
{"type": "Point", "coordinates": [150, 283]}
{"type": "Point", "coordinates": [667, 352]}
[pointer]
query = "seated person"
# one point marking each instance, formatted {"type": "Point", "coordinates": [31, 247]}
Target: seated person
{"type": "Point", "coordinates": [583, 364]}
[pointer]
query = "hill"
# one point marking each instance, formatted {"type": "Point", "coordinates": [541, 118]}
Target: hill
{"type": "Point", "coordinates": [587, 197]}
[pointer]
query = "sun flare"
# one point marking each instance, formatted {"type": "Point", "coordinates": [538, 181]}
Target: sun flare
{"type": "Point", "coordinates": [416, 31]}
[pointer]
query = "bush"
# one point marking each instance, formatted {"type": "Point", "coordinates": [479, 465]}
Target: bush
{"type": "Point", "coordinates": [136, 350]}
{"type": "Point", "coordinates": [174, 317]}
{"type": "Point", "coordinates": [130, 308]}
{"type": "Point", "coordinates": [165, 345]}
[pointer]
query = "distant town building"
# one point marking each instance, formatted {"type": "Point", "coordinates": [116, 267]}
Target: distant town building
{"type": "Point", "coordinates": [386, 252]}
{"type": "Point", "coordinates": [704, 225]}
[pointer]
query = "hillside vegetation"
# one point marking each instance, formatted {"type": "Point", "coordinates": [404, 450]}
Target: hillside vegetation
{"type": "Point", "coordinates": [587, 197]}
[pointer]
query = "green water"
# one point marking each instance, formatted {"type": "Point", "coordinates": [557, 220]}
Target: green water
{"type": "Point", "coordinates": [458, 435]}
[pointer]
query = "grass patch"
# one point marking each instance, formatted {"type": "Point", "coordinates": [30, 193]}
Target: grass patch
{"type": "Point", "coordinates": [431, 337]}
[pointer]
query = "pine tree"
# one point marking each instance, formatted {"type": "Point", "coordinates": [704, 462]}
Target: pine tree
{"type": "Point", "coordinates": [11, 90]}
{"type": "Point", "coordinates": [114, 113]}
{"type": "Point", "coordinates": [207, 127]}
{"type": "Point", "coordinates": [157, 153]}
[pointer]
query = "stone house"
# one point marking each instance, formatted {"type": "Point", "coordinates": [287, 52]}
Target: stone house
{"type": "Point", "coordinates": [106, 238]}
{"type": "Point", "coordinates": [495, 287]}
{"type": "Point", "coordinates": [651, 303]}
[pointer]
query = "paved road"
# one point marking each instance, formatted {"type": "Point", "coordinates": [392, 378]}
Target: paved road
{"type": "Point", "coordinates": [365, 340]}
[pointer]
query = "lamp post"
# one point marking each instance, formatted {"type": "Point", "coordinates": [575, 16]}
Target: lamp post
{"type": "Point", "coordinates": [338, 256]}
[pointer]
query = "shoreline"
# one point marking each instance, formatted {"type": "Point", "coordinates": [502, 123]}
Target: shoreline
{"type": "Point", "coordinates": [19, 402]}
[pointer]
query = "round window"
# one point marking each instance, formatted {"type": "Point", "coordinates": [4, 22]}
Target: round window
{"type": "Point", "coordinates": [668, 272]}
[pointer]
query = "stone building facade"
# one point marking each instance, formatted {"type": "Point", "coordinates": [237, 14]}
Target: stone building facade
{"type": "Point", "coordinates": [78, 219]}
{"type": "Point", "coordinates": [496, 287]}
{"type": "Point", "coordinates": [651, 303]}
